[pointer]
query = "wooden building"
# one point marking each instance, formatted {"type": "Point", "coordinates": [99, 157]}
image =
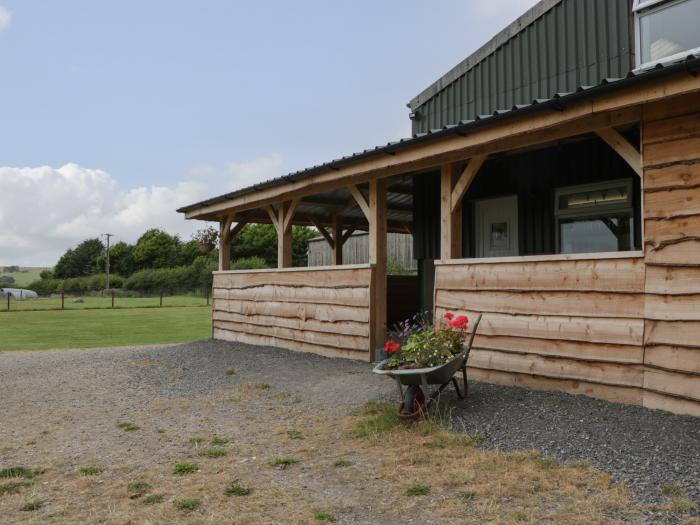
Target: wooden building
{"type": "Point", "coordinates": [572, 221]}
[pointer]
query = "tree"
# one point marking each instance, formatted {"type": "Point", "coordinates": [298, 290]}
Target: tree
{"type": "Point", "coordinates": [260, 240]}
{"type": "Point", "coordinates": [156, 249]}
{"type": "Point", "coordinates": [82, 260]}
{"type": "Point", "coordinates": [121, 260]}
{"type": "Point", "coordinates": [6, 279]}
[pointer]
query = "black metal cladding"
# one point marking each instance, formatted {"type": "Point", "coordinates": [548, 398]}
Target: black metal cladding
{"type": "Point", "coordinates": [532, 176]}
{"type": "Point", "coordinates": [575, 43]}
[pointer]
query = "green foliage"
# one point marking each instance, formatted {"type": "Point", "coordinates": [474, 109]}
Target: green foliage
{"type": "Point", "coordinates": [31, 505]}
{"type": "Point", "coordinates": [324, 516]}
{"type": "Point", "coordinates": [342, 463]}
{"type": "Point", "coordinates": [81, 260]}
{"type": "Point", "coordinates": [11, 269]}
{"type": "Point", "coordinates": [282, 462]}
{"type": "Point", "coordinates": [6, 280]}
{"type": "Point", "coordinates": [383, 419]}
{"type": "Point", "coordinates": [249, 263]}
{"type": "Point", "coordinates": [395, 268]}
{"type": "Point", "coordinates": [431, 347]}
{"type": "Point", "coordinates": [89, 471]}
{"type": "Point", "coordinates": [121, 259]}
{"type": "Point", "coordinates": [17, 472]}
{"type": "Point", "coordinates": [153, 498]}
{"type": "Point", "coordinates": [260, 240]}
{"type": "Point", "coordinates": [13, 487]}
{"type": "Point", "coordinates": [156, 249]}
{"type": "Point", "coordinates": [46, 274]}
{"type": "Point", "coordinates": [128, 427]}
{"type": "Point", "coordinates": [213, 452]}
{"type": "Point", "coordinates": [138, 489]}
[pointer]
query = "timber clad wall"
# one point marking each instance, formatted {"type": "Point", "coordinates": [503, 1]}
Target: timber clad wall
{"type": "Point", "coordinates": [571, 325]}
{"type": "Point", "coordinates": [321, 310]}
{"type": "Point", "coordinates": [671, 157]}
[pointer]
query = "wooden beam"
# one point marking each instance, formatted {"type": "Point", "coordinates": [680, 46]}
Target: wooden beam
{"type": "Point", "coordinates": [289, 215]}
{"type": "Point", "coordinates": [227, 226]}
{"type": "Point", "coordinates": [322, 230]}
{"type": "Point", "coordinates": [284, 238]}
{"type": "Point", "coordinates": [348, 233]}
{"type": "Point", "coordinates": [623, 147]}
{"type": "Point", "coordinates": [225, 243]}
{"type": "Point", "coordinates": [237, 229]}
{"type": "Point", "coordinates": [466, 178]}
{"type": "Point", "coordinates": [450, 220]}
{"type": "Point", "coordinates": [360, 199]}
{"type": "Point", "coordinates": [378, 257]}
{"type": "Point", "coordinates": [273, 216]}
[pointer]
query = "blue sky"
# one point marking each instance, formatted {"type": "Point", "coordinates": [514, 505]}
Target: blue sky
{"type": "Point", "coordinates": [135, 107]}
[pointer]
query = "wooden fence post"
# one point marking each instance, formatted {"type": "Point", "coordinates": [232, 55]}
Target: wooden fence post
{"type": "Point", "coordinates": [161, 298]}
{"type": "Point", "coordinates": [8, 301]}
{"type": "Point", "coordinates": [112, 298]}
{"type": "Point", "coordinates": [63, 298]}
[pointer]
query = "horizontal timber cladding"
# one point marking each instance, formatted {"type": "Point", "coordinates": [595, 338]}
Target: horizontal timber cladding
{"type": "Point", "coordinates": [571, 325]}
{"type": "Point", "coordinates": [671, 162]}
{"type": "Point", "coordinates": [326, 311]}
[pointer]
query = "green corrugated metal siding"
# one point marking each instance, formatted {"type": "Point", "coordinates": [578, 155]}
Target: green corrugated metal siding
{"type": "Point", "coordinates": [577, 42]}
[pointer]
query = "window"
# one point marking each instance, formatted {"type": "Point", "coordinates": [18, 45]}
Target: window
{"type": "Point", "coordinates": [666, 30]}
{"type": "Point", "coordinates": [595, 217]}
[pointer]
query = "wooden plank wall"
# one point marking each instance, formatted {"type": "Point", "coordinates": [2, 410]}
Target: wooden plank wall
{"type": "Point", "coordinates": [325, 311]}
{"type": "Point", "coordinates": [671, 159]}
{"type": "Point", "coordinates": [570, 325]}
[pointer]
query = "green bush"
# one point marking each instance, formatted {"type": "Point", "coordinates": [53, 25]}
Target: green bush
{"type": "Point", "coordinates": [249, 263]}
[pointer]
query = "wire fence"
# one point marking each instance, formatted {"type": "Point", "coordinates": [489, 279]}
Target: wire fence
{"type": "Point", "coordinates": [17, 301]}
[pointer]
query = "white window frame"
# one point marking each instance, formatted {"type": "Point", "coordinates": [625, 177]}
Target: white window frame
{"type": "Point", "coordinates": [648, 6]}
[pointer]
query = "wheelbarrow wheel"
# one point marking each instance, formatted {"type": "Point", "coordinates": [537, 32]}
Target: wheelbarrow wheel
{"type": "Point", "coordinates": [413, 405]}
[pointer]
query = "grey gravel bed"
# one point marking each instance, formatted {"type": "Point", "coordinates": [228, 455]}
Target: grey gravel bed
{"type": "Point", "coordinates": [645, 449]}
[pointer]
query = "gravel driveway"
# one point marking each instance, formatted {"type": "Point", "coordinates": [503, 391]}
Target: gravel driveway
{"type": "Point", "coordinates": [59, 401]}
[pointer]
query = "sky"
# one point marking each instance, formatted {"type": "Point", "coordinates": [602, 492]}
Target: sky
{"type": "Point", "coordinates": [115, 113]}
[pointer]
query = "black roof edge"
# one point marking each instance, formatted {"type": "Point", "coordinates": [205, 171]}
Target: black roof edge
{"type": "Point", "coordinates": [690, 65]}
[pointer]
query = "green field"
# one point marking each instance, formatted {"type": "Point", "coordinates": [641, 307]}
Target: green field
{"type": "Point", "coordinates": [88, 302]}
{"type": "Point", "coordinates": [26, 275]}
{"type": "Point", "coordinates": [94, 328]}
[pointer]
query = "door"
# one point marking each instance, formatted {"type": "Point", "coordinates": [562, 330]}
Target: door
{"type": "Point", "coordinates": [497, 227]}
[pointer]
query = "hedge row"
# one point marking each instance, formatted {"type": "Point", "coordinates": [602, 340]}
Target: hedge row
{"type": "Point", "coordinates": [197, 276]}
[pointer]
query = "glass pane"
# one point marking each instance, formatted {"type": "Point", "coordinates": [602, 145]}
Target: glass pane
{"type": "Point", "coordinates": [616, 195]}
{"type": "Point", "coordinates": [499, 235]}
{"type": "Point", "coordinates": [669, 30]}
{"type": "Point", "coordinates": [590, 235]}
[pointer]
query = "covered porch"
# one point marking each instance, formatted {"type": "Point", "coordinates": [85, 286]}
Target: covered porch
{"type": "Point", "coordinates": [556, 316]}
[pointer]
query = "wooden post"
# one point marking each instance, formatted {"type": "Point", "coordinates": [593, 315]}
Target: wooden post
{"type": "Point", "coordinates": [377, 257]}
{"type": "Point", "coordinates": [206, 292]}
{"type": "Point", "coordinates": [63, 300]}
{"type": "Point", "coordinates": [450, 221]}
{"type": "Point", "coordinates": [161, 299]}
{"type": "Point", "coordinates": [8, 301]}
{"type": "Point", "coordinates": [337, 249]}
{"type": "Point", "coordinates": [282, 221]}
{"type": "Point", "coordinates": [225, 243]}
{"type": "Point", "coordinates": [112, 298]}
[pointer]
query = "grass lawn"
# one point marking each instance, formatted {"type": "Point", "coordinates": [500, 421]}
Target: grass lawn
{"type": "Point", "coordinates": [40, 330]}
{"type": "Point", "coordinates": [73, 303]}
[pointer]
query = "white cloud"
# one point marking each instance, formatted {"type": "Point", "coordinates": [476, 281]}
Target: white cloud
{"type": "Point", "coordinates": [5, 18]}
{"type": "Point", "coordinates": [509, 10]}
{"type": "Point", "coordinates": [45, 210]}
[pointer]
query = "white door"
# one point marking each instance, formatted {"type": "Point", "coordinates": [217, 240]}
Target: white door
{"type": "Point", "coordinates": [497, 227]}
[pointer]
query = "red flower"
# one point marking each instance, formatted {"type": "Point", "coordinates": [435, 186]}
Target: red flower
{"type": "Point", "coordinates": [460, 322]}
{"type": "Point", "coordinates": [448, 315]}
{"type": "Point", "coordinates": [390, 347]}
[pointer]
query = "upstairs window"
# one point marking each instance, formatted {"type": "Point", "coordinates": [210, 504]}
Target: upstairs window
{"type": "Point", "coordinates": [666, 30]}
{"type": "Point", "coordinates": [595, 218]}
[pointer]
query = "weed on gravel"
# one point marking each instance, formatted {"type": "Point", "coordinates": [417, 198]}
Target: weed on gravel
{"type": "Point", "coordinates": [295, 434]}
{"type": "Point", "coordinates": [14, 487]}
{"type": "Point", "coordinates": [217, 442]}
{"type": "Point", "coordinates": [213, 452]}
{"type": "Point", "coordinates": [343, 463]}
{"type": "Point", "coordinates": [90, 471]}
{"type": "Point", "coordinates": [186, 468]}
{"type": "Point", "coordinates": [31, 505]}
{"type": "Point", "coordinates": [137, 489]}
{"type": "Point", "coordinates": [128, 427]}
{"type": "Point", "coordinates": [237, 490]}
{"type": "Point", "coordinates": [188, 504]}
{"type": "Point", "coordinates": [282, 462]}
{"type": "Point", "coordinates": [417, 490]}
{"type": "Point", "coordinates": [324, 516]}
{"type": "Point", "coordinates": [153, 498]}
{"type": "Point", "coordinates": [17, 472]}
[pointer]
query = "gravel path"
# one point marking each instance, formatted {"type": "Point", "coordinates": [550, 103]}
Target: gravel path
{"type": "Point", "coordinates": [644, 449]}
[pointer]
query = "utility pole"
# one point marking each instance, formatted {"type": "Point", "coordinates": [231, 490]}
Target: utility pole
{"type": "Point", "coordinates": [107, 235]}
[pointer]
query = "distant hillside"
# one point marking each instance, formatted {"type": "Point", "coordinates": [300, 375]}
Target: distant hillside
{"type": "Point", "coordinates": [23, 277]}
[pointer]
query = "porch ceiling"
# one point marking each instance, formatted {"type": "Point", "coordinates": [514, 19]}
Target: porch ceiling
{"type": "Point", "coordinates": [613, 102]}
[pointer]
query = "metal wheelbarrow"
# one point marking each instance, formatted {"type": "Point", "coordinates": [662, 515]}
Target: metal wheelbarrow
{"type": "Point", "coordinates": [414, 404]}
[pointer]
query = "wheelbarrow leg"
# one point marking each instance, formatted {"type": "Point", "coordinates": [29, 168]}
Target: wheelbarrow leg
{"type": "Point", "coordinates": [464, 379]}
{"type": "Point", "coordinates": [456, 385]}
